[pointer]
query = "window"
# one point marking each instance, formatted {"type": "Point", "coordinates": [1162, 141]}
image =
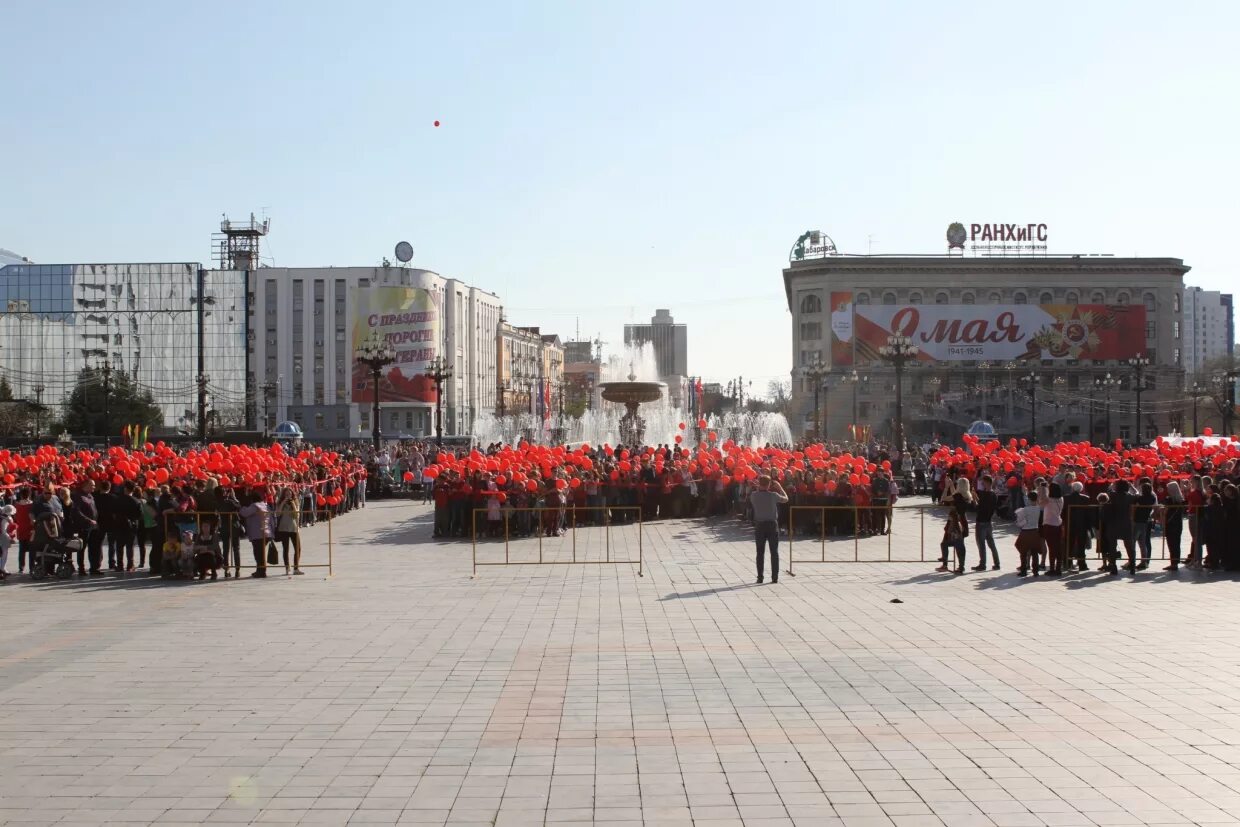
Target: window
{"type": "Point", "coordinates": [811, 330]}
{"type": "Point", "coordinates": [810, 357]}
{"type": "Point", "coordinates": [889, 298]}
{"type": "Point", "coordinates": [863, 410]}
{"type": "Point", "coordinates": [1046, 298]}
{"type": "Point", "coordinates": [1074, 381]}
{"type": "Point", "coordinates": [940, 298]}
{"type": "Point", "coordinates": [364, 420]}
{"type": "Point", "coordinates": [1175, 328]}
{"type": "Point", "coordinates": [320, 422]}
{"type": "Point", "coordinates": [1098, 297]}
{"type": "Point", "coordinates": [1150, 303]}
{"type": "Point", "coordinates": [811, 304]}
{"type": "Point", "coordinates": [1020, 298]}
{"type": "Point", "coordinates": [1175, 302]}
{"type": "Point", "coordinates": [914, 297]}
{"type": "Point", "coordinates": [1122, 298]}
{"type": "Point", "coordinates": [1073, 297]}
{"type": "Point", "coordinates": [1152, 355]}
{"type": "Point", "coordinates": [968, 298]}
{"type": "Point", "coordinates": [862, 298]}
{"type": "Point", "coordinates": [1176, 355]}
{"type": "Point", "coordinates": [1151, 330]}
{"type": "Point", "coordinates": [408, 420]}
{"type": "Point", "coordinates": [341, 421]}
{"type": "Point", "coordinates": [995, 297]}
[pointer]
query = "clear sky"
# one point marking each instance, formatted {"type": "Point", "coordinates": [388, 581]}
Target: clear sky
{"type": "Point", "coordinates": [599, 160]}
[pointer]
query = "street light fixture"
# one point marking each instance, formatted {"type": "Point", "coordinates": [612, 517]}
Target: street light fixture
{"type": "Point", "coordinates": [1032, 379]}
{"type": "Point", "coordinates": [376, 354]}
{"type": "Point", "coordinates": [854, 379]}
{"type": "Point", "coordinates": [1106, 384]}
{"type": "Point", "coordinates": [816, 371]}
{"type": "Point", "coordinates": [1138, 363]}
{"type": "Point", "coordinates": [899, 351]}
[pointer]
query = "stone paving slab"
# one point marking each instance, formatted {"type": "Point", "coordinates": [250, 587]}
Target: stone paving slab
{"type": "Point", "coordinates": [403, 691]}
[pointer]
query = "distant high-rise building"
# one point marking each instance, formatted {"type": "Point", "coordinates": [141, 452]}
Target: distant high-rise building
{"type": "Point", "coordinates": [670, 340]}
{"type": "Point", "coordinates": [1209, 328]}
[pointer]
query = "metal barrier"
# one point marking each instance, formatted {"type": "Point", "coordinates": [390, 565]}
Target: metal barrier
{"type": "Point", "coordinates": [571, 513]}
{"type": "Point", "coordinates": [885, 513]}
{"type": "Point", "coordinates": [236, 523]}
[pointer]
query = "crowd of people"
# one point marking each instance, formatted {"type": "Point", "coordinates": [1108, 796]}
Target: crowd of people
{"type": "Point", "coordinates": [144, 507]}
{"type": "Point", "coordinates": [1065, 500]}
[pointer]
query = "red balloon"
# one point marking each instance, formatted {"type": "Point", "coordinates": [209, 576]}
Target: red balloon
{"type": "Point", "coordinates": [560, 485]}
{"type": "Point", "coordinates": [681, 426]}
{"type": "Point", "coordinates": [408, 476]}
{"type": "Point", "coordinates": [701, 423]}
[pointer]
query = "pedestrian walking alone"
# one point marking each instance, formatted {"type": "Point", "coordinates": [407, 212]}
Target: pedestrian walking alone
{"type": "Point", "coordinates": [765, 503]}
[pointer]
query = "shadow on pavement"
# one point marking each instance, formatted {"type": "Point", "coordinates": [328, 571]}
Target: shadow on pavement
{"type": "Point", "coordinates": [706, 592]}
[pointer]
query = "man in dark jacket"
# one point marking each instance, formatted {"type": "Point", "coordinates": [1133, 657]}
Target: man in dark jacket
{"type": "Point", "coordinates": [983, 528]}
{"type": "Point", "coordinates": [84, 521]}
{"type": "Point", "coordinates": [1081, 519]}
{"type": "Point", "coordinates": [1117, 523]}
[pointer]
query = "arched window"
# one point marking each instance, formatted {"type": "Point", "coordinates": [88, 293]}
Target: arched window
{"type": "Point", "coordinates": [1020, 298]}
{"type": "Point", "coordinates": [811, 304]}
{"type": "Point", "coordinates": [1122, 298]}
{"type": "Point", "coordinates": [1098, 297]}
{"type": "Point", "coordinates": [889, 297]}
{"type": "Point", "coordinates": [967, 297]}
{"type": "Point", "coordinates": [862, 298]}
{"type": "Point", "coordinates": [1046, 298]}
{"type": "Point", "coordinates": [996, 297]}
{"type": "Point", "coordinates": [1175, 302]}
{"type": "Point", "coordinates": [940, 297]}
{"type": "Point", "coordinates": [1151, 304]}
{"type": "Point", "coordinates": [914, 297]}
{"type": "Point", "coordinates": [1073, 297]}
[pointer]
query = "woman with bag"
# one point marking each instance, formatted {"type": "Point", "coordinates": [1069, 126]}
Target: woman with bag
{"type": "Point", "coordinates": [258, 529]}
{"type": "Point", "coordinates": [287, 521]}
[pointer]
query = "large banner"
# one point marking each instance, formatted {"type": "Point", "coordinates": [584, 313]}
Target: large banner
{"type": "Point", "coordinates": [1003, 332]}
{"type": "Point", "coordinates": [407, 318]}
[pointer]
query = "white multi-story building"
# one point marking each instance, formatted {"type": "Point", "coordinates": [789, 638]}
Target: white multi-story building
{"type": "Point", "coordinates": [305, 328]}
{"type": "Point", "coordinates": [1209, 328]}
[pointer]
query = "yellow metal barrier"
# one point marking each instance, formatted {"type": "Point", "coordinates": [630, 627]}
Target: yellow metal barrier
{"type": "Point", "coordinates": [884, 513]}
{"type": "Point", "coordinates": [571, 513]}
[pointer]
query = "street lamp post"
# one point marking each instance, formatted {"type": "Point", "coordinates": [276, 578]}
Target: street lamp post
{"type": "Point", "coordinates": [1106, 384]}
{"type": "Point", "coordinates": [1138, 363]}
{"type": "Point", "coordinates": [1228, 394]}
{"type": "Point", "coordinates": [854, 379]}
{"type": "Point", "coordinates": [439, 373]}
{"type": "Point", "coordinates": [816, 371]}
{"type": "Point", "coordinates": [1032, 379]}
{"type": "Point", "coordinates": [376, 354]}
{"type": "Point", "coordinates": [1056, 385]}
{"type": "Point", "coordinates": [983, 367]}
{"type": "Point", "coordinates": [899, 351]}
{"type": "Point", "coordinates": [1197, 391]}
{"type": "Point", "coordinates": [38, 409]}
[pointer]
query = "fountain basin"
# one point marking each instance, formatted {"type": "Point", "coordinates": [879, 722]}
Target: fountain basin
{"type": "Point", "coordinates": [632, 393]}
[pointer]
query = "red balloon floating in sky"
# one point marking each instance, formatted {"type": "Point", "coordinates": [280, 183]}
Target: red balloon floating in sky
{"type": "Point", "coordinates": [436, 123]}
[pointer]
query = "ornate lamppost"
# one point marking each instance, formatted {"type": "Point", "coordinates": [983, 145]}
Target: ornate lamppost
{"type": "Point", "coordinates": [816, 371]}
{"type": "Point", "coordinates": [376, 353]}
{"type": "Point", "coordinates": [1107, 383]}
{"type": "Point", "coordinates": [1032, 379]}
{"type": "Point", "coordinates": [439, 373]}
{"type": "Point", "coordinates": [899, 351]}
{"type": "Point", "coordinates": [854, 379]}
{"type": "Point", "coordinates": [1138, 363]}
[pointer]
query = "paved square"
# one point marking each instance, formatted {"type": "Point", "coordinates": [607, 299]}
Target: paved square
{"type": "Point", "coordinates": [401, 691]}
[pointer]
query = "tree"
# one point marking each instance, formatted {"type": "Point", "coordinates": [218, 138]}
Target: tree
{"type": "Point", "coordinates": [101, 403]}
{"type": "Point", "coordinates": [779, 392]}
{"type": "Point", "coordinates": [6, 390]}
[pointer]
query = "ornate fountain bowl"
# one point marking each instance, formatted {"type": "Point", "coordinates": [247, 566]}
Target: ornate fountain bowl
{"type": "Point", "coordinates": [632, 393]}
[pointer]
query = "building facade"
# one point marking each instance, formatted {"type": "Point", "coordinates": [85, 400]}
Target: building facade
{"type": "Point", "coordinates": [670, 341]}
{"type": "Point", "coordinates": [161, 324]}
{"type": "Point", "coordinates": [1209, 328]}
{"type": "Point", "coordinates": [1026, 343]}
{"type": "Point", "coordinates": [520, 362]}
{"type": "Point", "coordinates": [307, 324]}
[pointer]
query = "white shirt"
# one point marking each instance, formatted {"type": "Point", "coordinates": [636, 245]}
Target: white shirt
{"type": "Point", "coordinates": [1052, 512]}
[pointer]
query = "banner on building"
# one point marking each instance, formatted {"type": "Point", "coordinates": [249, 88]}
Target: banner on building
{"type": "Point", "coordinates": [1002, 332]}
{"type": "Point", "coordinates": [407, 319]}
{"type": "Point", "coordinates": [841, 329]}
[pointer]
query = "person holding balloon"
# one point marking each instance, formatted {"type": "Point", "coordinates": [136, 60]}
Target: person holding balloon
{"type": "Point", "coordinates": [765, 505]}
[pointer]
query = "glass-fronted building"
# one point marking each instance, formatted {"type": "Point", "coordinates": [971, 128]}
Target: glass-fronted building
{"type": "Point", "coordinates": [160, 324]}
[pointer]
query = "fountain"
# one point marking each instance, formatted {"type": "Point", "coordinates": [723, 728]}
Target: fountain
{"type": "Point", "coordinates": [627, 381]}
{"type": "Point", "coordinates": [631, 394]}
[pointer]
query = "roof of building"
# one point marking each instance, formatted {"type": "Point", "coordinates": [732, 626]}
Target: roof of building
{"type": "Point", "coordinates": [10, 257]}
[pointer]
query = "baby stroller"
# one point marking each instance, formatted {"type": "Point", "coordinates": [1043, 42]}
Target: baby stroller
{"type": "Point", "coordinates": [55, 558]}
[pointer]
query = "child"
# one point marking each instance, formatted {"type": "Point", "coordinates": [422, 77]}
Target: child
{"type": "Point", "coordinates": [1029, 541]}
